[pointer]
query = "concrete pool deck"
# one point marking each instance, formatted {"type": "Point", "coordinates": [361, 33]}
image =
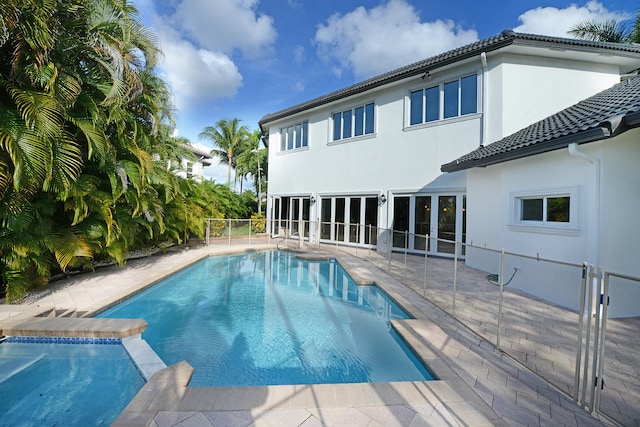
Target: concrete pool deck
{"type": "Point", "coordinates": [478, 385]}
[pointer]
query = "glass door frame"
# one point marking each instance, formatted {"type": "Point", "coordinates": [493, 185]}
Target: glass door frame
{"type": "Point", "coordinates": [347, 229]}
{"type": "Point", "coordinates": [302, 205]}
{"type": "Point", "coordinates": [460, 198]}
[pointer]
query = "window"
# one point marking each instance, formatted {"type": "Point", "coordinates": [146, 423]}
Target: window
{"type": "Point", "coordinates": [546, 210]}
{"type": "Point", "coordinates": [294, 137]}
{"type": "Point", "coordinates": [459, 97]}
{"type": "Point", "coordinates": [358, 121]}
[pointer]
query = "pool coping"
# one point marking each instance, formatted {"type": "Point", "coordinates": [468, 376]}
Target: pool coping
{"type": "Point", "coordinates": [71, 327]}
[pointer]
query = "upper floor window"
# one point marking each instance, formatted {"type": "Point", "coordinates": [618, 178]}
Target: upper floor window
{"type": "Point", "coordinates": [451, 99]}
{"type": "Point", "coordinates": [354, 122]}
{"type": "Point", "coordinates": [295, 136]}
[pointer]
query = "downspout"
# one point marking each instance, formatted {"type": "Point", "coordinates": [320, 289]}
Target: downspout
{"type": "Point", "coordinates": [594, 220]}
{"type": "Point", "coordinates": [485, 88]}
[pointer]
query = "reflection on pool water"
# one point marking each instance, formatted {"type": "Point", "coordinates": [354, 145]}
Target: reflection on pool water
{"type": "Point", "coordinates": [266, 318]}
{"type": "Point", "coordinates": [65, 382]}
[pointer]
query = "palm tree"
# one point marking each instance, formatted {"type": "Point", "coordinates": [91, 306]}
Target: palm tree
{"type": "Point", "coordinates": [79, 108]}
{"type": "Point", "coordinates": [608, 31]}
{"type": "Point", "coordinates": [229, 138]}
{"type": "Point", "coordinates": [253, 160]}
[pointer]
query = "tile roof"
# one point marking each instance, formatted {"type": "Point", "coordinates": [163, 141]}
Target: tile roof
{"type": "Point", "coordinates": [506, 38]}
{"type": "Point", "coordinates": [600, 116]}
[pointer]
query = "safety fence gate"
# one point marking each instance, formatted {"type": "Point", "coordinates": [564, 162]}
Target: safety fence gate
{"type": "Point", "coordinates": [606, 384]}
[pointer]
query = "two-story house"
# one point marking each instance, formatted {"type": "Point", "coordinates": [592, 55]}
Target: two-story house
{"type": "Point", "coordinates": [371, 153]}
{"type": "Point", "coordinates": [192, 165]}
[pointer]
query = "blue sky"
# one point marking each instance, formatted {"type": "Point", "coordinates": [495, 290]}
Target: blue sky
{"type": "Point", "coordinates": [246, 58]}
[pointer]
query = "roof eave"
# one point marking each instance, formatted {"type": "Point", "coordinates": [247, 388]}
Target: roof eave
{"type": "Point", "coordinates": [370, 84]}
{"type": "Point", "coordinates": [583, 137]}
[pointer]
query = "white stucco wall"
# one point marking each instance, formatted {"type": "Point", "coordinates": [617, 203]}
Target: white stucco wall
{"type": "Point", "coordinates": [491, 221]}
{"type": "Point", "coordinates": [522, 91]}
{"type": "Point", "coordinates": [620, 223]}
{"type": "Point", "coordinates": [392, 158]}
{"type": "Point", "coordinates": [606, 232]}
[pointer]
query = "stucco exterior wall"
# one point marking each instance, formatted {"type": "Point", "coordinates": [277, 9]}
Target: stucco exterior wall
{"type": "Point", "coordinates": [620, 222]}
{"type": "Point", "coordinates": [605, 230]}
{"type": "Point", "coordinates": [523, 91]}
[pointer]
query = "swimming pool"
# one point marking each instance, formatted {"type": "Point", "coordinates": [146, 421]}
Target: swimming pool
{"type": "Point", "coordinates": [267, 318]}
{"type": "Point", "coordinates": [65, 381]}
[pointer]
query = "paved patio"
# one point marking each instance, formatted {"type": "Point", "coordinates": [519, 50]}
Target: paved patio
{"type": "Point", "coordinates": [479, 385]}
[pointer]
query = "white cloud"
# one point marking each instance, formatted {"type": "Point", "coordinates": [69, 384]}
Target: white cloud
{"type": "Point", "coordinates": [226, 25]}
{"type": "Point", "coordinates": [551, 21]}
{"type": "Point", "coordinates": [199, 38]}
{"type": "Point", "coordinates": [197, 75]}
{"type": "Point", "coordinates": [372, 41]}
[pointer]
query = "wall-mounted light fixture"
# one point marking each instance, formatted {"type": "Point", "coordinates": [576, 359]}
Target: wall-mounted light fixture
{"type": "Point", "coordinates": [382, 199]}
{"type": "Point", "coordinates": [312, 200]}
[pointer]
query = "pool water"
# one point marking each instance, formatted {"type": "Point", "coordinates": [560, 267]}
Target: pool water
{"type": "Point", "coordinates": [54, 384]}
{"type": "Point", "coordinates": [267, 318]}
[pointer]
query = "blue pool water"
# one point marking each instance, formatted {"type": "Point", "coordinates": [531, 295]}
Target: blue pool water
{"type": "Point", "coordinates": [64, 384]}
{"type": "Point", "coordinates": [266, 318]}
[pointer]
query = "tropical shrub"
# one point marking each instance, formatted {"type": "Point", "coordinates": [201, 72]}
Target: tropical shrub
{"type": "Point", "coordinates": [84, 143]}
{"type": "Point", "coordinates": [258, 223]}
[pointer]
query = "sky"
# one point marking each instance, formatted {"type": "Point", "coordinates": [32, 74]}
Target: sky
{"type": "Point", "coordinates": [226, 59]}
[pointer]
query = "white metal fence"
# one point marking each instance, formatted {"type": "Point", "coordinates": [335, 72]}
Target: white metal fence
{"type": "Point", "coordinates": [550, 316]}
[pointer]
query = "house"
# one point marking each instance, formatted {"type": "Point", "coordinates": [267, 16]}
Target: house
{"type": "Point", "coordinates": [370, 155]}
{"type": "Point", "coordinates": [192, 165]}
{"type": "Point", "coordinates": [566, 186]}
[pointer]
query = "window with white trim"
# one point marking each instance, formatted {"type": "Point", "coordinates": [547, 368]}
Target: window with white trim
{"type": "Point", "coordinates": [294, 137]}
{"type": "Point", "coordinates": [552, 209]}
{"type": "Point", "coordinates": [354, 122]}
{"type": "Point", "coordinates": [546, 209]}
{"type": "Point", "coordinates": [450, 99]}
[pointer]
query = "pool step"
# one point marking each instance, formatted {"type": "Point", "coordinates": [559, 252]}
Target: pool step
{"type": "Point", "coordinates": [145, 359]}
{"type": "Point", "coordinates": [13, 366]}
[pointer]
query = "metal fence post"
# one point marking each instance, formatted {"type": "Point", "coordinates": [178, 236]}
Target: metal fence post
{"type": "Point", "coordinates": [229, 232]}
{"type": "Point", "coordinates": [588, 337]}
{"type": "Point", "coordinates": [390, 250]}
{"type": "Point", "coordinates": [500, 299]}
{"type": "Point", "coordinates": [455, 279]}
{"type": "Point", "coordinates": [406, 248]}
{"type": "Point", "coordinates": [596, 339]}
{"type": "Point", "coordinates": [605, 312]}
{"type": "Point", "coordinates": [249, 231]}
{"type": "Point", "coordinates": [207, 239]}
{"type": "Point", "coordinates": [581, 314]}
{"type": "Point", "coordinates": [424, 289]}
